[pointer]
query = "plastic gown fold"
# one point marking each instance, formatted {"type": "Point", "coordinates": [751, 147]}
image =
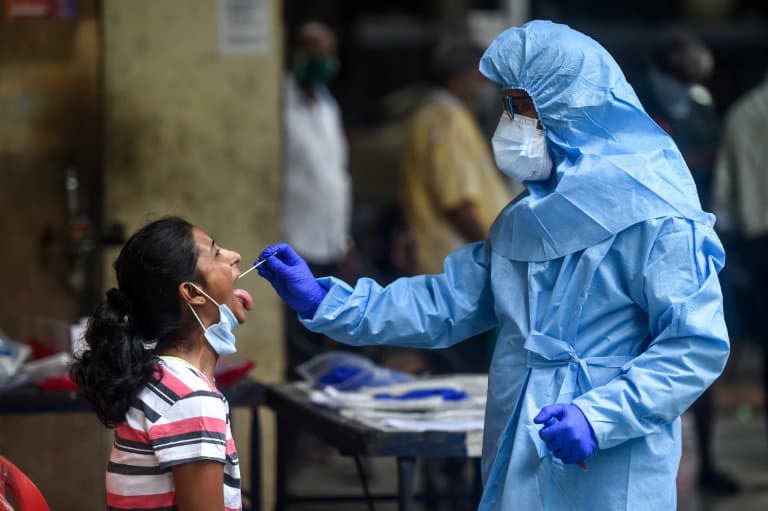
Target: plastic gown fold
{"type": "Point", "coordinates": [602, 282]}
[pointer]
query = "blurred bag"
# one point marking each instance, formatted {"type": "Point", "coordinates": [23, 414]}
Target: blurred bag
{"type": "Point", "coordinates": [12, 355]}
{"type": "Point", "coordinates": [347, 371]}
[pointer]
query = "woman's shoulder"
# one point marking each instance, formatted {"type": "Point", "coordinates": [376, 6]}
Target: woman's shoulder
{"type": "Point", "coordinates": [181, 378]}
{"type": "Point", "coordinates": [174, 381]}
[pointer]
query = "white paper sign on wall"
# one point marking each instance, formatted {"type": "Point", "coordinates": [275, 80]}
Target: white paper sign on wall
{"type": "Point", "coordinates": [244, 26]}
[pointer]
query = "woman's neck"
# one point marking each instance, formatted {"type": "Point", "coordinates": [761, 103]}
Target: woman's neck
{"type": "Point", "coordinates": [199, 354]}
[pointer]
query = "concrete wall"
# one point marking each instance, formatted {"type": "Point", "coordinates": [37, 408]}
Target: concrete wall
{"type": "Point", "coordinates": [49, 123]}
{"type": "Point", "coordinates": [194, 132]}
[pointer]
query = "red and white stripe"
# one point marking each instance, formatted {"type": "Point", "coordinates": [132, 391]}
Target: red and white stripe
{"type": "Point", "coordinates": [181, 418]}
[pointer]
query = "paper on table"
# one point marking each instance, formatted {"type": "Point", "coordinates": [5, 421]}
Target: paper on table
{"type": "Point", "coordinates": [474, 385]}
{"type": "Point", "coordinates": [419, 425]}
{"type": "Point", "coordinates": [448, 419]}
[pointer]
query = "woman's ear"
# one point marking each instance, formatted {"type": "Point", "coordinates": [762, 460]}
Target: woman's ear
{"type": "Point", "coordinates": [189, 294]}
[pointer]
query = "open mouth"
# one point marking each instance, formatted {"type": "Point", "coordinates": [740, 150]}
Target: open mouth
{"type": "Point", "coordinates": [245, 298]}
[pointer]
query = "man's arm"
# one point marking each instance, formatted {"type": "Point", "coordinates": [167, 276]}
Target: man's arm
{"type": "Point", "coordinates": [426, 311]}
{"type": "Point", "coordinates": [464, 219]}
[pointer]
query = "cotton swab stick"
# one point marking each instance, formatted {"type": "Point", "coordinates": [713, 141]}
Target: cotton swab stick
{"type": "Point", "coordinates": [246, 272]}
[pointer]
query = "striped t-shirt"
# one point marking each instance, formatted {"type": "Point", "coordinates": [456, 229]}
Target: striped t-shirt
{"type": "Point", "coordinates": [179, 419]}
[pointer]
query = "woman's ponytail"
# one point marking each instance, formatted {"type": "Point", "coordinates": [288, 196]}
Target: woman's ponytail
{"type": "Point", "coordinates": [117, 363]}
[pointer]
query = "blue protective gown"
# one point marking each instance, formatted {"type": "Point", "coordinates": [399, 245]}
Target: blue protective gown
{"type": "Point", "coordinates": [602, 281]}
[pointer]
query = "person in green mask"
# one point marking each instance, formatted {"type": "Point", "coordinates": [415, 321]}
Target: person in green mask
{"type": "Point", "coordinates": [314, 60]}
{"type": "Point", "coordinates": [315, 161]}
{"type": "Point", "coordinates": [317, 189]}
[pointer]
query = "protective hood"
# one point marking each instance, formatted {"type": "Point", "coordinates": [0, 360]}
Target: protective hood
{"type": "Point", "coordinates": [614, 166]}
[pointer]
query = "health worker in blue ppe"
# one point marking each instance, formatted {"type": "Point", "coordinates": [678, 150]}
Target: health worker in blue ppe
{"type": "Point", "coordinates": [602, 281]}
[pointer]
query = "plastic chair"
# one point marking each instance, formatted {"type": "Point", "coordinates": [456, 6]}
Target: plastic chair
{"type": "Point", "coordinates": [24, 492]}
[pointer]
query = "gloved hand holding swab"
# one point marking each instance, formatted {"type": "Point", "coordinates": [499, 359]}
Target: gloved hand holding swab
{"type": "Point", "coordinates": [256, 265]}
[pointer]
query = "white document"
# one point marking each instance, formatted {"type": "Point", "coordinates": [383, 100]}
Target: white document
{"type": "Point", "coordinates": [419, 425]}
{"type": "Point", "coordinates": [244, 26]}
{"type": "Point", "coordinates": [428, 414]}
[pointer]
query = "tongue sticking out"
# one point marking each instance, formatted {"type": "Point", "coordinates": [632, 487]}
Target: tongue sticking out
{"type": "Point", "coordinates": [245, 298]}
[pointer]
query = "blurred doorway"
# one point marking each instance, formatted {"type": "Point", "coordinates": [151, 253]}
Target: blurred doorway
{"type": "Point", "coordinates": [50, 159]}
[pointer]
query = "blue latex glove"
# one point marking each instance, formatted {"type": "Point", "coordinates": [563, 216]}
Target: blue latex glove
{"type": "Point", "coordinates": [446, 393]}
{"type": "Point", "coordinates": [291, 277]}
{"type": "Point", "coordinates": [567, 432]}
{"type": "Point", "coordinates": [338, 375]}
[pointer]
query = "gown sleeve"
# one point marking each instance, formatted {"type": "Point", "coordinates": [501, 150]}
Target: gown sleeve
{"type": "Point", "coordinates": [688, 348]}
{"type": "Point", "coordinates": [427, 311]}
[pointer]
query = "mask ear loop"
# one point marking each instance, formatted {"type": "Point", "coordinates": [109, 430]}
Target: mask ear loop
{"type": "Point", "coordinates": [204, 293]}
{"type": "Point", "coordinates": [202, 325]}
{"type": "Point", "coordinates": [197, 317]}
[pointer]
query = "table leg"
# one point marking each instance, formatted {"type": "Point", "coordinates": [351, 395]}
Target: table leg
{"type": "Point", "coordinates": [255, 460]}
{"type": "Point", "coordinates": [477, 482]}
{"type": "Point", "coordinates": [364, 482]}
{"type": "Point", "coordinates": [405, 474]}
{"type": "Point", "coordinates": [282, 469]}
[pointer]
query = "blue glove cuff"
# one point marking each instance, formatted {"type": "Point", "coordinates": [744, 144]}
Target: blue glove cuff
{"type": "Point", "coordinates": [314, 298]}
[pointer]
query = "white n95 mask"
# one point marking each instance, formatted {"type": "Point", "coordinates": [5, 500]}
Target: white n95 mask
{"type": "Point", "coordinates": [520, 149]}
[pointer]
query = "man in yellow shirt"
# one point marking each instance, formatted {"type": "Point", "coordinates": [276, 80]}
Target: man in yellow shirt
{"type": "Point", "coordinates": [451, 192]}
{"type": "Point", "coordinates": [451, 189]}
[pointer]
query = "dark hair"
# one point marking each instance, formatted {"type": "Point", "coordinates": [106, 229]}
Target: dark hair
{"type": "Point", "coordinates": [451, 57]}
{"type": "Point", "coordinates": [295, 41]}
{"type": "Point", "coordinates": [683, 55]}
{"type": "Point", "coordinates": [137, 318]}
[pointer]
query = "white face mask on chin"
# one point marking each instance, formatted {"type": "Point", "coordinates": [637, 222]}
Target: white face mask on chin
{"type": "Point", "coordinates": [520, 149]}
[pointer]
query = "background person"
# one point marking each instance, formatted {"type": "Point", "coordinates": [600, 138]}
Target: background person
{"type": "Point", "coordinates": [673, 94]}
{"type": "Point", "coordinates": [452, 190]}
{"type": "Point", "coordinates": [451, 193]}
{"type": "Point", "coordinates": [317, 200]}
{"type": "Point", "coordinates": [741, 198]}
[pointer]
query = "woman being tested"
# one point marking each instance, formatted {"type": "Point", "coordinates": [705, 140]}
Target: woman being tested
{"type": "Point", "coordinates": [602, 280]}
{"type": "Point", "coordinates": [148, 370]}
